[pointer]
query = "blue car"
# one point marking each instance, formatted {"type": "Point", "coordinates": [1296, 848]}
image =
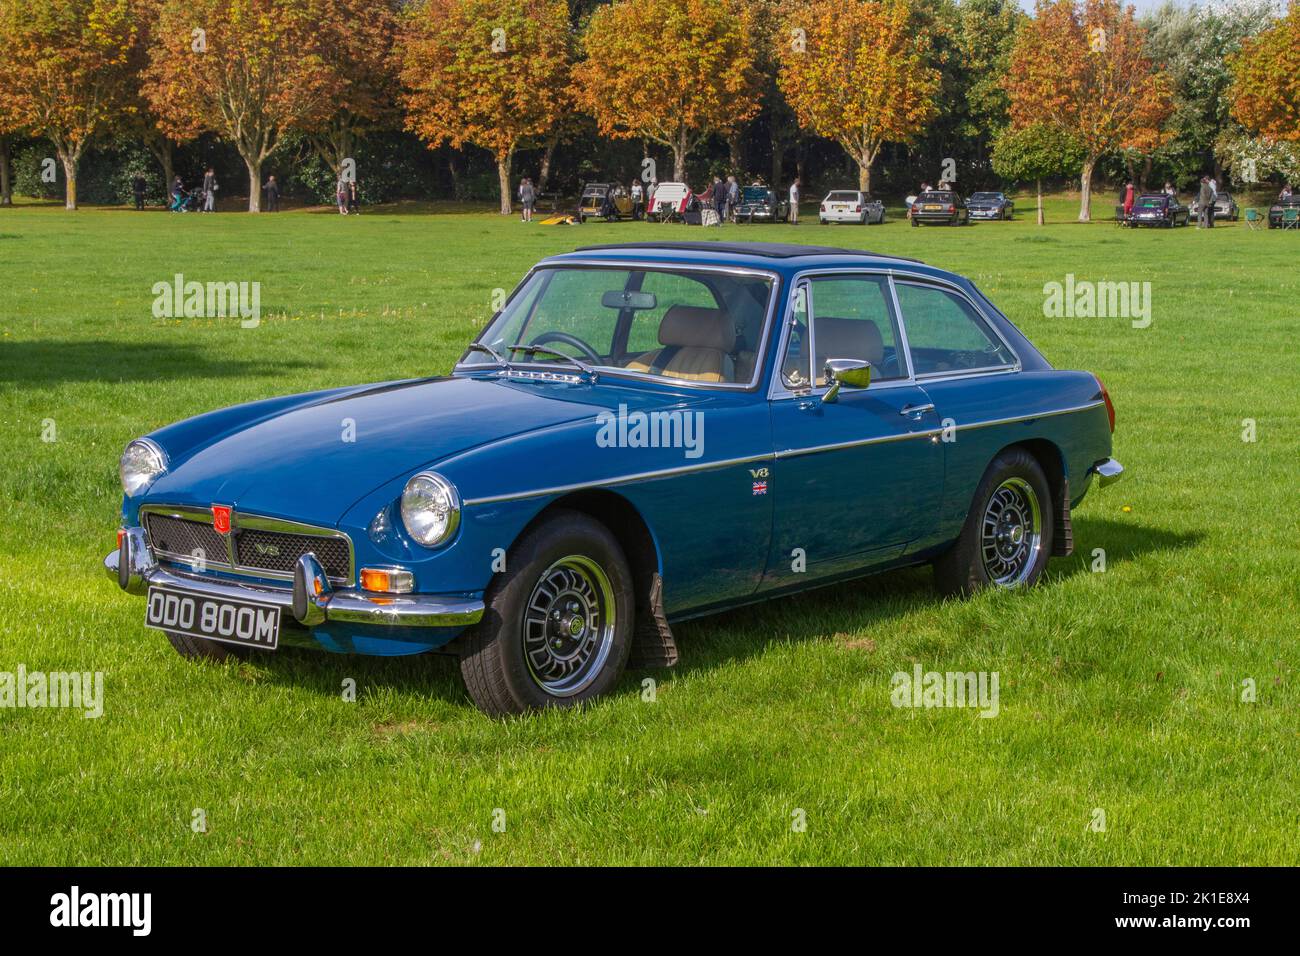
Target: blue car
{"type": "Point", "coordinates": [646, 433]}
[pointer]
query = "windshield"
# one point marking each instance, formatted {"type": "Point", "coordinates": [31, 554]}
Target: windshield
{"type": "Point", "coordinates": [694, 326]}
{"type": "Point", "coordinates": [986, 197]}
{"type": "Point", "coordinates": [755, 194]}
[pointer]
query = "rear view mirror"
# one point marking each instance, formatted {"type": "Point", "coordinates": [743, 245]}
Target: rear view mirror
{"type": "Point", "coordinates": [855, 373]}
{"type": "Point", "coordinates": [618, 299]}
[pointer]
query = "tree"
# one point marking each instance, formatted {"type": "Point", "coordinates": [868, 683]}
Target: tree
{"type": "Point", "coordinates": [491, 73]}
{"type": "Point", "coordinates": [357, 49]}
{"type": "Point", "coordinates": [671, 72]}
{"type": "Point", "coordinates": [1081, 68]}
{"type": "Point", "coordinates": [66, 72]}
{"type": "Point", "coordinates": [862, 77]}
{"type": "Point", "coordinates": [248, 70]}
{"type": "Point", "coordinates": [10, 123]}
{"type": "Point", "coordinates": [1266, 80]}
{"type": "Point", "coordinates": [1034, 152]}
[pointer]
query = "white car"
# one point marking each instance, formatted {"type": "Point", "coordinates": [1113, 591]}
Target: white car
{"type": "Point", "coordinates": [845, 205]}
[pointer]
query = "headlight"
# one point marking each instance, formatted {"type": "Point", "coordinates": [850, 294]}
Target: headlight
{"type": "Point", "coordinates": [430, 509]}
{"type": "Point", "coordinates": [141, 464]}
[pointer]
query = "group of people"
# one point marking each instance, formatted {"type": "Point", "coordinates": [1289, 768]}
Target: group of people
{"type": "Point", "coordinates": [1206, 196]}
{"type": "Point", "coordinates": [345, 193]}
{"type": "Point", "coordinates": [182, 199]}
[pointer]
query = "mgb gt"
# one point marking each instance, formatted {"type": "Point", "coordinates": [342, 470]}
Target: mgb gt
{"type": "Point", "coordinates": [644, 434]}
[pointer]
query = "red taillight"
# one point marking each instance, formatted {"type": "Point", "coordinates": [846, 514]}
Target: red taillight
{"type": "Point", "coordinates": [857, 209]}
{"type": "Point", "coordinates": [121, 533]}
{"type": "Point", "coordinates": [1110, 406]}
{"type": "Point", "coordinates": [950, 208]}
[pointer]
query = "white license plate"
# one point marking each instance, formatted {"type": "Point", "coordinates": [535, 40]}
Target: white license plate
{"type": "Point", "coordinates": [249, 623]}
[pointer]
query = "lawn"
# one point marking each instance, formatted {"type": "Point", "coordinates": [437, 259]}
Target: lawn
{"type": "Point", "coordinates": [1121, 690]}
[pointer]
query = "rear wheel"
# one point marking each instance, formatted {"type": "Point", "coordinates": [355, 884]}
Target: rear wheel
{"type": "Point", "coordinates": [201, 649]}
{"type": "Point", "coordinates": [1007, 537]}
{"type": "Point", "coordinates": [558, 624]}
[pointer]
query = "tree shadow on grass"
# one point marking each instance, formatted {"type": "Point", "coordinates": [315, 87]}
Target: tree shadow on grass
{"type": "Point", "coordinates": [872, 603]}
{"type": "Point", "coordinates": [52, 363]}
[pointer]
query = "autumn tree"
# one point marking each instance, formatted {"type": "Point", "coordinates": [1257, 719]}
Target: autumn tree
{"type": "Point", "coordinates": [10, 123]}
{"type": "Point", "coordinates": [1033, 153]}
{"type": "Point", "coordinates": [860, 77]}
{"type": "Point", "coordinates": [672, 72]}
{"type": "Point", "coordinates": [490, 73]}
{"type": "Point", "coordinates": [65, 72]}
{"type": "Point", "coordinates": [247, 70]}
{"type": "Point", "coordinates": [1265, 89]}
{"type": "Point", "coordinates": [1081, 68]}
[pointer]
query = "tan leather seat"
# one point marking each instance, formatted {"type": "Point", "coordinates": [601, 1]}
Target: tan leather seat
{"type": "Point", "coordinates": [697, 345]}
{"type": "Point", "coordinates": [849, 339]}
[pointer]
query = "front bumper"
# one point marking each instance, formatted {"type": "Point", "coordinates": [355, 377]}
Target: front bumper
{"type": "Point", "coordinates": [986, 213]}
{"type": "Point", "coordinates": [311, 601]}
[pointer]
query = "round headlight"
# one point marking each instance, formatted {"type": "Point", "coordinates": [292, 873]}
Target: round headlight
{"type": "Point", "coordinates": [141, 464]}
{"type": "Point", "coordinates": [430, 509]}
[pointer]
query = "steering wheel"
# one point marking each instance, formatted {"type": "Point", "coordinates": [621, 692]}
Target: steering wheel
{"type": "Point", "coordinates": [568, 339]}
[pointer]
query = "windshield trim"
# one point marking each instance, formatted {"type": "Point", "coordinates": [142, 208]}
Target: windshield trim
{"type": "Point", "coordinates": [624, 265]}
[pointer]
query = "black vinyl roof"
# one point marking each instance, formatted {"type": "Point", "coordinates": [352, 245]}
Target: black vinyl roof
{"type": "Point", "coordinates": [770, 250]}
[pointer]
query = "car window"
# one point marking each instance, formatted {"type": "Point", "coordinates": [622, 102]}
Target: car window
{"type": "Point", "coordinates": [842, 197]}
{"type": "Point", "coordinates": [794, 368]}
{"type": "Point", "coordinates": [670, 288]}
{"type": "Point", "coordinates": [571, 304]}
{"type": "Point", "coordinates": [945, 333]}
{"type": "Point", "coordinates": [853, 319]}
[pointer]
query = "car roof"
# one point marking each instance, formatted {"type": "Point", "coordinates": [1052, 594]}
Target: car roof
{"type": "Point", "coordinates": [735, 253]}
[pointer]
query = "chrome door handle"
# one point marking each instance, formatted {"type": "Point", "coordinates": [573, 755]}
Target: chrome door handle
{"type": "Point", "coordinates": [917, 409]}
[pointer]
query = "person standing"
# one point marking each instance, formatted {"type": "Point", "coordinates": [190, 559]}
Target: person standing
{"type": "Point", "coordinates": [527, 199]}
{"type": "Point", "coordinates": [1128, 201]}
{"type": "Point", "coordinates": [210, 191]}
{"type": "Point", "coordinates": [354, 205]}
{"type": "Point", "coordinates": [638, 200]}
{"type": "Point", "coordinates": [341, 196]}
{"type": "Point", "coordinates": [272, 189]}
{"type": "Point", "coordinates": [794, 202]}
{"type": "Point", "coordinates": [1205, 205]}
{"type": "Point", "coordinates": [178, 195]}
{"type": "Point", "coordinates": [733, 197]}
{"type": "Point", "coordinates": [137, 190]}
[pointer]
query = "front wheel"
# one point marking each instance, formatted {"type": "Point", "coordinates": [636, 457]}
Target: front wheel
{"type": "Point", "coordinates": [1007, 537]}
{"type": "Point", "coordinates": [558, 624]}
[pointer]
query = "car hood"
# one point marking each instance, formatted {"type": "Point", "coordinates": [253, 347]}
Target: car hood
{"type": "Point", "coordinates": [312, 462]}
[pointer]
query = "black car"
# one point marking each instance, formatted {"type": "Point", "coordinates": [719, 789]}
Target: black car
{"type": "Point", "coordinates": [1158, 209]}
{"type": "Point", "coordinates": [758, 203]}
{"type": "Point", "coordinates": [1277, 212]}
{"type": "Point", "coordinates": [946, 208]}
{"type": "Point", "coordinates": [990, 206]}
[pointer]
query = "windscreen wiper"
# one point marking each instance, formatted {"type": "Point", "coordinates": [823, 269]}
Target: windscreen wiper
{"type": "Point", "coordinates": [489, 350]}
{"type": "Point", "coordinates": [532, 350]}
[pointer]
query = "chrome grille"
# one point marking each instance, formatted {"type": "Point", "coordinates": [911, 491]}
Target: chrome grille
{"type": "Point", "coordinates": [278, 551]}
{"type": "Point", "coordinates": [183, 539]}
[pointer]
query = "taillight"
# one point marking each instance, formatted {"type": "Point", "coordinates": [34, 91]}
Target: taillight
{"type": "Point", "coordinates": [823, 207]}
{"type": "Point", "coordinates": [857, 209]}
{"type": "Point", "coordinates": [950, 209]}
{"type": "Point", "coordinates": [1110, 406]}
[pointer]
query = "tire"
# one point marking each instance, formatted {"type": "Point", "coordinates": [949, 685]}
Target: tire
{"type": "Point", "coordinates": [915, 223]}
{"type": "Point", "coordinates": [569, 558]}
{"type": "Point", "coordinates": [1012, 494]}
{"type": "Point", "coordinates": [201, 649]}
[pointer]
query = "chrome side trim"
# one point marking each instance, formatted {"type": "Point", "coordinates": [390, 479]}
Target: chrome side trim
{"type": "Point", "coordinates": [352, 607]}
{"type": "Point", "coordinates": [783, 453]}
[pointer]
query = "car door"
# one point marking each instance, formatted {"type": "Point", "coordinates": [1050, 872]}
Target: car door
{"type": "Point", "coordinates": [857, 478]}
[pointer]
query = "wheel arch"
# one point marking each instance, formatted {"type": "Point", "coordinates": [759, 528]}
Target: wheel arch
{"type": "Point", "coordinates": [1052, 460]}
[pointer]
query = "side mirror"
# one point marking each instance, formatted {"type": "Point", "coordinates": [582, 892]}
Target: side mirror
{"type": "Point", "coordinates": [855, 373]}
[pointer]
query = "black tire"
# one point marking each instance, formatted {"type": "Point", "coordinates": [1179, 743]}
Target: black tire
{"type": "Point", "coordinates": [501, 676]}
{"type": "Point", "coordinates": [201, 649]}
{"type": "Point", "coordinates": [963, 570]}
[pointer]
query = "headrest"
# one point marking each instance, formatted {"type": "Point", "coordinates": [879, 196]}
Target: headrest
{"type": "Point", "coordinates": [690, 326]}
{"type": "Point", "coordinates": [848, 338]}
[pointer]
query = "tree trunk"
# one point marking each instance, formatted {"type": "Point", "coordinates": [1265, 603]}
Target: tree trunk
{"type": "Point", "coordinates": [679, 158]}
{"type": "Point", "coordinates": [864, 172]}
{"type": "Point", "coordinates": [1085, 189]}
{"type": "Point", "coordinates": [778, 158]}
{"type": "Point", "coordinates": [6, 186]}
{"type": "Point", "coordinates": [71, 160]}
{"type": "Point", "coordinates": [254, 184]}
{"type": "Point", "coordinates": [1040, 201]}
{"type": "Point", "coordinates": [548, 155]}
{"type": "Point", "coordinates": [503, 177]}
{"type": "Point", "coordinates": [1146, 174]}
{"type": "Point", "coordinates": [733, 151]}
{"type": "Point", "coordinates": [166, 156]}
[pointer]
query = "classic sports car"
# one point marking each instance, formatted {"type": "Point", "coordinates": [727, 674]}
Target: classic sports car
{"type": "Point", "coordinates": [1225, 207]}
{"type": "Point", "coordinates": [1158, 209]}
{"type": "Point", "coordinates": [990, 206]}
{"type": "Point", "coordinates": [762, 204]}
{"type": "Point", "coordinates": [1277, 213]}
{"type": "Point", "coordinates": [611, 201]}
{"type": "Point", "coordinates": [946, 208]}
{"type": "Point", "coordinates": [849, 205]}
{"type": "Point", "coordinates": [644, 434]}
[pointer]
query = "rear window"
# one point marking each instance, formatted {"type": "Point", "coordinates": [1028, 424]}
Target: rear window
{"type": "Point", "coordinates": [935, 197]}
{"type": "Point", "coordinates": [1151, 202]}
{"type": "Point", "coordinates": [842, 197]}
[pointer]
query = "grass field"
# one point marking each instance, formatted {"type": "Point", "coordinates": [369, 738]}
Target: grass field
{"type": "Point", "coordinates": [1120, 690]}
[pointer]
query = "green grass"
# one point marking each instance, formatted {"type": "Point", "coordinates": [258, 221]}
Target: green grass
{"type": "Point", "coordinates": [1119, 690]}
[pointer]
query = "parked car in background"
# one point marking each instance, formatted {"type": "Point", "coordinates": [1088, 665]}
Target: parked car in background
{"type": "Point", "coordinates": [990, 206]}
{"type": "Point", "coordinates": [1158, 209]}
{"type": "Point", "coordinates": [611, 201]}
{"type": "Point", "coordinates": [669, 201]}
{"type": "Point", "coordinates": [944, 208]}
{"type": "Point", "coordinates": [642, 435]}
{"type": "Point", "coordinates": [1285, 212]}
{"type": "Point", "coordinates": [1225, 207]}
{"type": "Point", "coordinates": [761, 204]}
{"type": "Point", "coordinates": [850, 205]}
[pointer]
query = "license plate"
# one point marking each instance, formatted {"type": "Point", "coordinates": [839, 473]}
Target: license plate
{"type": "Point", "coordinates": [930, 208]}
{"type": "Point", "coordinates": [839, 208]}
{"type": "Point", "coordinates": [249, 623]}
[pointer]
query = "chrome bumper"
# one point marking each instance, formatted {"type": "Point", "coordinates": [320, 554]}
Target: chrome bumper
{"type": "Point", "coordinates": [1108, 471]}
{"type": "Point", "coordinates": [311, 601]}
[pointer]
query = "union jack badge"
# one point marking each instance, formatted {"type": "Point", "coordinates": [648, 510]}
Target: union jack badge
{"type": "Point", "coordinates": [760, 487]}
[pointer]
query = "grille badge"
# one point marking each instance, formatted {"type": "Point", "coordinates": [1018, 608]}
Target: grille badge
{"type": "Point", "coordinates": [221, 519]}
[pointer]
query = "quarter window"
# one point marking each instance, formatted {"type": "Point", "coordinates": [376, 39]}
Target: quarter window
{"type": "Point", "coordinates": [945, 334]}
